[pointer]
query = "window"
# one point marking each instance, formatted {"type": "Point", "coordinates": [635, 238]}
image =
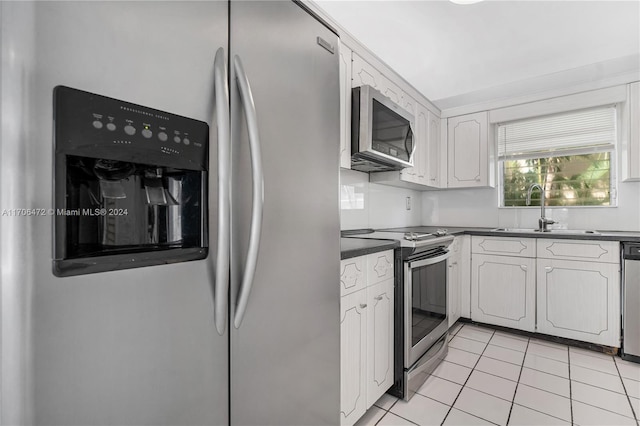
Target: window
{"type": "Point", "coordinates": [570, 155]}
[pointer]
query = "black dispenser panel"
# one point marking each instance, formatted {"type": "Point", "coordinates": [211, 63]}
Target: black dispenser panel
{"type": "Point", "coordinates": [130, 185]}
{"type": "Point", "coordinates": [95, 126]}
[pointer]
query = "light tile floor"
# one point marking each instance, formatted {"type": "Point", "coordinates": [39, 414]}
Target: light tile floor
{"type": "Point", "coordinates": [493, 377]}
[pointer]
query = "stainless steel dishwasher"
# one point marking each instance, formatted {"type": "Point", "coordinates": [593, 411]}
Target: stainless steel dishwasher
{"type": "Point", "coordinates": [631, 302]}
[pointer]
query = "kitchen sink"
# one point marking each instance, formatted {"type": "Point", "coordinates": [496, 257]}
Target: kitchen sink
{"type": "Point", "coordinates": [550, 231]}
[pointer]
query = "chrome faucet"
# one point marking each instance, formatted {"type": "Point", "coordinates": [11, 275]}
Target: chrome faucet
{"type": "Point", "coordinates": [543, 221]}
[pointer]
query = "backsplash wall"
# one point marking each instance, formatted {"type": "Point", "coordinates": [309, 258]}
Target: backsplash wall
{"type": "Point", "coordinates": [371, 205]}
{"type": "Point", "coordinates": [478, 207]}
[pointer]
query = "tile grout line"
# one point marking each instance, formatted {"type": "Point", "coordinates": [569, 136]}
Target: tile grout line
{"type": "Point", "coordinates": [600, 387]}
{"type": "Point", "coordinates": [465, 383]}
{"type": "Point", "coordinates": [636, 415]}
{"type": "Point", "coordinates": [473, 368]}
{"type": "Point", "coordinates": [398, 399]}
{"type": "Point", "coordinates": [518, 382]}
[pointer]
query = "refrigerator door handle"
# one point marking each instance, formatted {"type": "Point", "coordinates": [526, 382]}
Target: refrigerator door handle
{"type": "Point", "coordinates": [246, 98]}
{"type": "Point", "coordinates": [221, 285]}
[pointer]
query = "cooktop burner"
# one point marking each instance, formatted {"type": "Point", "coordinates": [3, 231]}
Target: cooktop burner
{"type": "Point", "coordinates": [412, 237]}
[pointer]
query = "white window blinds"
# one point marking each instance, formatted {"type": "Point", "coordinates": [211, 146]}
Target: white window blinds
{"type": "Point", "coordinates": [576, 132]}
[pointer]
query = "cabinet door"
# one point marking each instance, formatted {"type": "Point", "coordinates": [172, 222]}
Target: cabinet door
{"type": "Point", "coordinates": [504, 246]}
{"type": "Point", "coordinates": [580, 250]}
{"type": "Point", "coordinates": [468, 159]}
{"type": "Point", "coordinates": [353, 274]}
{"type": "Point", "coordinates": [633, 161]}
{"type": "Point", "coordinates": [465, 276]}
{"type": "Point", "coordinates": [391, 90]}
{"type": "Point", "coordinates": [503, 291]}
{"type": "Point", "coordinates": [579, 300]}
{"type": "Point", "coordinates": [353, 349]}
{"type": "Point", "coordinates": [432, 155]}
{"type": "Point", "coordinates": [379, 340]}
{"type": "Point", "coordinates": [453, 283]}
{"type": "Point", "coordinates": [363, 73]}
{"type": "Point", "coordinates": [345, 107]}
{"type": "Point", "coordinates": [379, 267]}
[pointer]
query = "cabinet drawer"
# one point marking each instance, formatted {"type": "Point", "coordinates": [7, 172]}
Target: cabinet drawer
{"type": "Point", "coordinates": [595, 251]}
{"type": "Point", "coordinates": [353, 274]}
{"type": "Point", "coordinates": [379, 267]}
{"type": "Point", "coordinates": [506, 246]}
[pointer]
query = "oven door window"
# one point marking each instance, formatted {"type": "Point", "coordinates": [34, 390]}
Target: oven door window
{"type": "Point", "coordinates": [428, 299]}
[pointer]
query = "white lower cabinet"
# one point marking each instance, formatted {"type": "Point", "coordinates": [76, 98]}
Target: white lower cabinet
{"type": "Point", "coordinates": [579, 300]}
{"type": "Point", "coordinates": [353, 349]}
{"type": "Point", "coordinates": [503, 291]}
{"type": "Point", "coordinates": [379, 340]}
{"type": "Point", "coordinates": [560, 287]}
{"type": "Point", "coordinates": [366, 338]}
{"type": "Point", "coordinates": [453, 283]}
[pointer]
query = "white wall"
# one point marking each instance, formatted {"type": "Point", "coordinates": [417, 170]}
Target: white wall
{"type": "Point", "coordinates": [371, 205]}
{"type": "Point", "coordinates": [479, 207]}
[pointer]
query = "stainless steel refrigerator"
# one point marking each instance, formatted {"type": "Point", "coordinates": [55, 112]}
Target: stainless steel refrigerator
{"type": "Point", "coordinates": [247, 335]}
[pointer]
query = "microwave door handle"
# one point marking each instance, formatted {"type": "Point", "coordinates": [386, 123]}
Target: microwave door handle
{"type": "Point", "coordinates": [221, 267]}
{"type": "Point", "coordinates": [246, 99]}
{"type": "Point", "coordinates": [429, 261]}
{"type": "Point", "coordinates": [413, 143]}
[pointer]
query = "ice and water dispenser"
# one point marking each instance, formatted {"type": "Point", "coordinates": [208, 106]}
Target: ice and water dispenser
{"type": "Point", "coordinates": [130, 185]}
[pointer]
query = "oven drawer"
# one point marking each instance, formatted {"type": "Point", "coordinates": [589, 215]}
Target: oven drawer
{"type": "Point", "coordinates": [379, 266]}
{"type": "Point", "coordinates": [504, 246]}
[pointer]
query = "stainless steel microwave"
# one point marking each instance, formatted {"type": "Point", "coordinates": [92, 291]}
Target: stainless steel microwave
{"type": "Point", "coordinates": [381, 132]}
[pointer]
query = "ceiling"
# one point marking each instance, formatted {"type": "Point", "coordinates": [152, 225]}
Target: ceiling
{"type": "Point", "coordinates": [455, 54]}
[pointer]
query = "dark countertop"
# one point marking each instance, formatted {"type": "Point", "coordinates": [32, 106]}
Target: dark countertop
{"type": "Point", "coordinates": [354, 247]}
{"type": "Point", "coordinates": [600, 235]}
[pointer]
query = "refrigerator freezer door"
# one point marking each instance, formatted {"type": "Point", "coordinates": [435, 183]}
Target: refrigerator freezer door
{"type": "Point", "coordinates": [138, 346]}
{"type": "Point", "coordinates": [285, 361]}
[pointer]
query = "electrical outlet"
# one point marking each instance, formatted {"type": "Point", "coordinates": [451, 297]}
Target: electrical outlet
{"type": "Point", "coordinates": [408, 203]}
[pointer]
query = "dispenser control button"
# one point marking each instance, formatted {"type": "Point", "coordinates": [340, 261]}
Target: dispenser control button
{"type": "Point", "coordinates": [129, 129]}
{"type": "Point", "coordinates": [186, 141]}
{"type": "Point", "coordinates": [176, 139]}
{"type": "Point", "coordinates": [97, 124]}
{"type": "Point", "coordinates": [162, 136]}
{"type": "Point", "coordinates": [111, 126]}
{"type": "Point", "coordinates": [147, 133]}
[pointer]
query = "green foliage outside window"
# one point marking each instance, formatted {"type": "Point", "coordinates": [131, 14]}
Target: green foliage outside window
{"type": "Point", "coordinates": [574, 180]}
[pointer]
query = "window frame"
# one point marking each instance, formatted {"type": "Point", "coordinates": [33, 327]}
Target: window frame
{"type": "Point", "coordinates": [613, 159]}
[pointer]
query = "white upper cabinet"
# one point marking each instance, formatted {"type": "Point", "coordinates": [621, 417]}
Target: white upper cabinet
{"type": "Point", "coordinates": [391, 90]}
{"type": "Point", "coordinates": [426, 171]}
{"type": "Point", "coordinates": [433, 152]}
{"type": "Point", "coordinates": [363, 73]}
{"type": "Point", "coordinates": [345, 107]}
{"type": "Point", "coordinates": [633, 154]}
{"type": "Point", "coordinates": [468, 151]}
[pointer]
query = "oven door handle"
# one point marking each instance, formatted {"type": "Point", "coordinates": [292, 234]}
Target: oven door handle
{"type": "Point", "coordinates": [429, 261]}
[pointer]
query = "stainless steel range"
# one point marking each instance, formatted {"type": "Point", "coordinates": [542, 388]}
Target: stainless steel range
{"type": "Point", "coordinates": [421, 322]}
